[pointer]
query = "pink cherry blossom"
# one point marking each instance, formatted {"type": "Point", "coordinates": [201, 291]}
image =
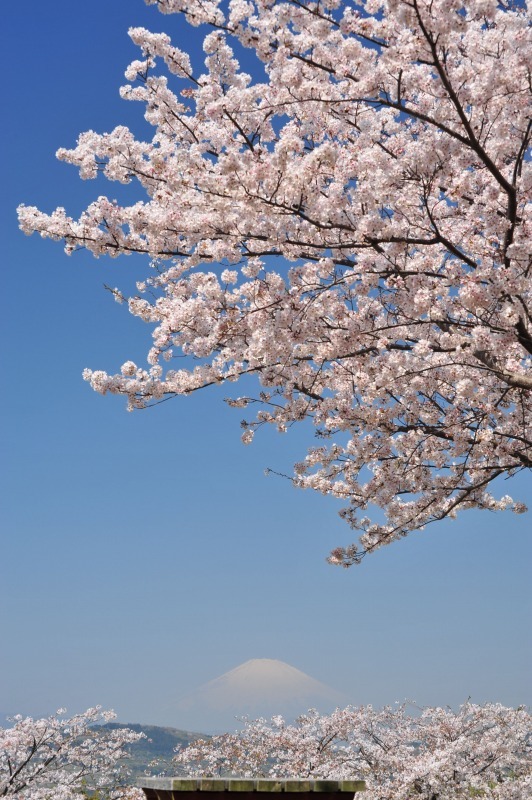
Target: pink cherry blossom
{"type": "Point", "coordinates": [59, 757]}
{"type": "Point", "coordinates": [353, 229]}
{"type": "Point", "coordinates": [436, 754]}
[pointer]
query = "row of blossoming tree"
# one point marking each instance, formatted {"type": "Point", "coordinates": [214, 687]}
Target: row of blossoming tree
{"type": "Point", "coordinates": [66, 758]}
{"type": "Point", "coordinates": [436, 754]}
{"type": "Point", "coordinates": [351, 227]}
{"type": "Point", "coordinates": [478, 751]}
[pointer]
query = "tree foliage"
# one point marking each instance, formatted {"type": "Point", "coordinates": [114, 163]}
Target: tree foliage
{"type": "Point", "coordinates": [478, 751]}
{"type": "Point", "coordinates": [353, 229]}
{"type": "Point", "coordinates": [60, 758]}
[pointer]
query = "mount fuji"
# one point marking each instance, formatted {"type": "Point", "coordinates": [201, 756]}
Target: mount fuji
{"type": "Point", "coordinates": [260, 687]}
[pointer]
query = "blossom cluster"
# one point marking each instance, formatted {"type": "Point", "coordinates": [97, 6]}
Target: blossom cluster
{"type": "Point", "coordinates": [437, 754]}
{"type": "Point", "coordinates": [353, 229]}
{"type": "Point", "coordinates": [60, 758]}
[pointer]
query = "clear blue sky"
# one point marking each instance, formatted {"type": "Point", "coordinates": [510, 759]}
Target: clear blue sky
{"type": "Point", "coordinates": [143, 554]}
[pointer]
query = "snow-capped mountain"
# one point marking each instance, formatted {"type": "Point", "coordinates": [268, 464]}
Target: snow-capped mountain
{"type": "Point", "coordinates": [259, 687]}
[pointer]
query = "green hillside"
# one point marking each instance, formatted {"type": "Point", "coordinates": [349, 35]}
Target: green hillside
{"type": "Point", "coordinates": [153, 755]}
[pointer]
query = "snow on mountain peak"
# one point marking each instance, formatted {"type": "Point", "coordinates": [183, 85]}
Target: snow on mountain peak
{"type": "Point", "coordinates": [258, 687]}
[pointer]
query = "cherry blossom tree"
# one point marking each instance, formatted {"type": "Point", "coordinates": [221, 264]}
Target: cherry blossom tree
{"type": "Point", "coordinates": [350, 225]}
{"type": "Point", "coordinates": [478, 751]}
{"type": "Point", "coordinates": [59, 758]}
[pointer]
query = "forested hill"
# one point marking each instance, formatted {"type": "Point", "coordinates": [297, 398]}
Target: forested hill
{"type": "Point", "coordinates": [153, 755]}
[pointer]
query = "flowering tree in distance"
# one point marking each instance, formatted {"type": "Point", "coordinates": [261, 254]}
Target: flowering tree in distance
{"type": "Point", "coordinates": [352, 228]}
{"type": "Point", "coordinates": [478, 751]}
{"type": "Point", "coordinates": [58, 758]}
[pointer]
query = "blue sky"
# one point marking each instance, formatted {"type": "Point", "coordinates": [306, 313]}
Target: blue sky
{"type": "Point", "coordinates": [143, 554]}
